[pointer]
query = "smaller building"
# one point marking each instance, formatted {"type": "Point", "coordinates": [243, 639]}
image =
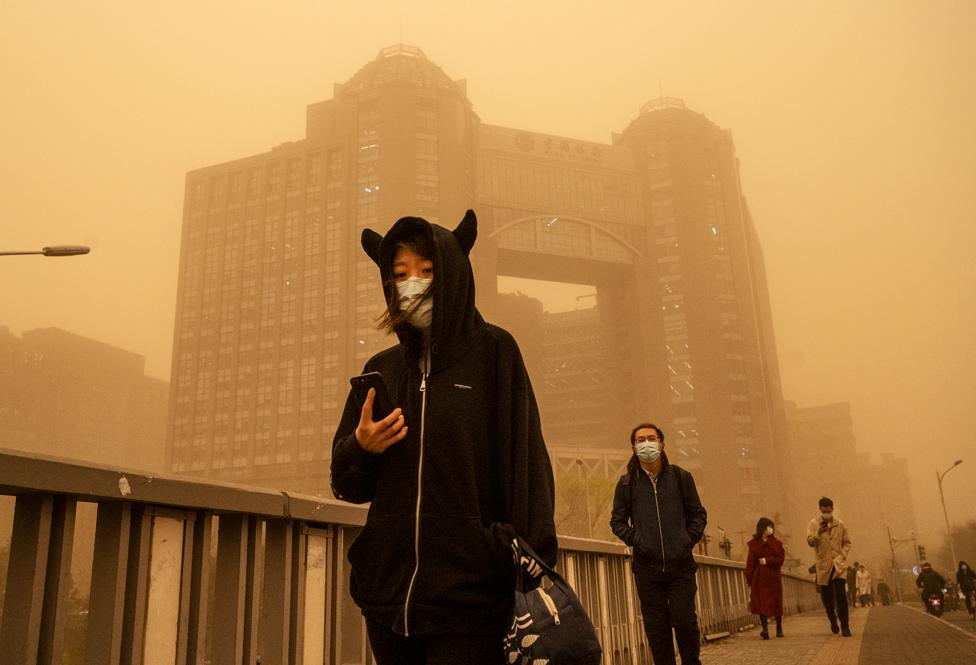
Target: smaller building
{"type": "Point", "coordinates": [70, 396]}
{"type": "Point", "coordinates": [871, 497]}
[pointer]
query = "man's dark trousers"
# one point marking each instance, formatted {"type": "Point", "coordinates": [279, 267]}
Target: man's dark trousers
{"type": "Point", "coordinates": [667, 601]}
{"type": "Point", "coordinates": [835, 594]}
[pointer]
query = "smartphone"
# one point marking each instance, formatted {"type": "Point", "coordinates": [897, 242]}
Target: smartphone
{"type": "Point", "coordinates": [382, 404]}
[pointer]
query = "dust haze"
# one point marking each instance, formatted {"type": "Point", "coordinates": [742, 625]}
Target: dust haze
{"type": "Point", "coordinates": [853, 124]}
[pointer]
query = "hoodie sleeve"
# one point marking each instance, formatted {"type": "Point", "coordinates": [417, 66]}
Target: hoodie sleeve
{"type": "Point", "coordinates": [527, 482]}
{"type": "Point", "coordinates": [353, 469]}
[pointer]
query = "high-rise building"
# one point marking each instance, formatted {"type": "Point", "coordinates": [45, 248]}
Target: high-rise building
{"type": "Point", "coordinates": [70, 396]}
{"type": "Point", "coordinates": [277, 303]}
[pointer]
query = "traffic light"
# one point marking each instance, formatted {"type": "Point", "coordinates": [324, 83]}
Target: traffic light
{"type": "Point", "coordinates": [921, 552]}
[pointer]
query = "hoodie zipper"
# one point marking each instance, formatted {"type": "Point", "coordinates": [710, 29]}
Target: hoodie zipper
{"type": "Point", "coordinates": [416, 529]}
{"type": "Point", "coordinates": [660, 529]}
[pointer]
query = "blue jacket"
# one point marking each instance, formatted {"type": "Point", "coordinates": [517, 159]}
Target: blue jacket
{"type": "Point", "coordinates": [661, 520]}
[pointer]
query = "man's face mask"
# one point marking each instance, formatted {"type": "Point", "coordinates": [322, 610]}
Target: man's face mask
{"type": "Point", "coordinates": [648, 451]}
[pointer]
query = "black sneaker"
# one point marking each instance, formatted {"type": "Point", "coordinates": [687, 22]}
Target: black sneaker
{"type": "Point", "coordinates": [833, 627]}
{"type": "Point", "coordinates": [846, 632]}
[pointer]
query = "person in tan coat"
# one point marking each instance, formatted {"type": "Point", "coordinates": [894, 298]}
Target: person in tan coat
{"type": "Point", "coordinates": [831, 542]}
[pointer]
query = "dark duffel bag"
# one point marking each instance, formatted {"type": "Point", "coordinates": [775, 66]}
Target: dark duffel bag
{"type": "Point", "coordinates": [549, 625]}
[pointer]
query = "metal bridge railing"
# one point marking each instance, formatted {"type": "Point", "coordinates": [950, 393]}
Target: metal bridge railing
{"type": "Point", "coordinates": [191, 572]}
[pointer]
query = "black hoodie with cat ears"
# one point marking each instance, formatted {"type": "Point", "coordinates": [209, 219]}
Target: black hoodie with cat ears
{"type": "Point", "coordinates": [455, 318]}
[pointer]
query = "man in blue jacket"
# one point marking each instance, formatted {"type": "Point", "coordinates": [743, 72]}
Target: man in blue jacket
{"type": "Point", "coordinates": [657, 512]}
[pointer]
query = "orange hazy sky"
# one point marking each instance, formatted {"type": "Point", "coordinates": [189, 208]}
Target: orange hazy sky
{"type": "Point", "coordinates": [853, 121]}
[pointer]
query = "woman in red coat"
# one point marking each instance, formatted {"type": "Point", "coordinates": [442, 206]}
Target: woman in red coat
{"type": "Point", "coordinates": [763, 574]}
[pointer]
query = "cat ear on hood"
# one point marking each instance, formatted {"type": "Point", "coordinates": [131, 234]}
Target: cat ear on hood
{"type": "Point", "coordinates": [371, 244]}
{"type": "Point", "coordinates": [467, 231]}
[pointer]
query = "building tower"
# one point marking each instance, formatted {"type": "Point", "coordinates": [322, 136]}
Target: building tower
{"type": "Point", "coordinates": [277, 303]}
{"type": "Point", "coordinates": [715, 376]}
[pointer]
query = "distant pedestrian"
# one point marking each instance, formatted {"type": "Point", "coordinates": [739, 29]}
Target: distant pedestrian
{"type": "Point", "coordinates": [864, 585]}
{"type": "Point", "coordinates": [828, 536]}
{"type": "Point", "coordinates": [852, 584]}
{"type": "Point", "coordinates": [966, 579]}
{"type": "Point", "coordinates": [884, 592]}
{"type": "Point", "coordinates": [657, 512]}
{"type": "Point", "coordinates": [766, 555]}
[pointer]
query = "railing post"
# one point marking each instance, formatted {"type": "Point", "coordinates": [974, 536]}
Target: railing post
{"type": "Point", "coordinates": [187, 579]}
{"type": "Point", "coordinates": [199, 587]}
{"type": "Point", "coordinates": [136, 584]}
{"type": "Point", "coordinates": [279, 584]}
{"type": "Point", "coordinates": [298, 554]}
{"type": "Point", "coordinates": [24, 599]}
{"type": "Point", "coordinates": [37, 579]}
{"type": "Point", "coordinates": [107, 596]}
{"type": "Point", "coordinates": [165, 587]}
{"type": "Point", "coordinates": [234, 634]}
{"type": "Point", "coordinates": [58, 579]}
{"type": "Point", "coordinates": [633, 629]}
{"type": "Point", "coordinates": [318, 587]}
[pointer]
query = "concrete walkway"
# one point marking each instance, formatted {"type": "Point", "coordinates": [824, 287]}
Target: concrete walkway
{"type": "Point", "coordinates": [893, 635]}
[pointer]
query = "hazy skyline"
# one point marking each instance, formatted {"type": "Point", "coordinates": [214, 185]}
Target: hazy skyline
{"type": "Point", "coordinates": [852, 121]}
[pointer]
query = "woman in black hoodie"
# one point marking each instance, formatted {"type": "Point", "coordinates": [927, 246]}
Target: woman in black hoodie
{"type": "Point", "coordinates": [454, 472]}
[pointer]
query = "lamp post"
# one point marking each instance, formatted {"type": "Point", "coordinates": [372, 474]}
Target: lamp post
{"type": "Point", "coordinates": [892, 542]}
{"type": "Point", "coordinates": [945, 513]}
{"type": "Point", "coordinates": [54, 250]}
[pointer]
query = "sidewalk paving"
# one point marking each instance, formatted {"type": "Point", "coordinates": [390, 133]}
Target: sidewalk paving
{"type": "Point", "coordinates": [893, 635]}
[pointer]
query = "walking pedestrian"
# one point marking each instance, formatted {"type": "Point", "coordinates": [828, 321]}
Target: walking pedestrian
{"type": "Point", "coordinates": [657, 512]}
{"type": "Point", "coordinates": [852, 584]}
{"type": "Point", "coordinates": [884, 591]}
{"type": "Point", "coordinates": [453, 472]}
{"type": "Point", "coordinates": [828, 536]}
{"type": "Point", "coordinates": [864, 585]}
{"type": "Point", "coordinates": [763, 564]}
{"type": "Point", "coordinates": [966, 579]}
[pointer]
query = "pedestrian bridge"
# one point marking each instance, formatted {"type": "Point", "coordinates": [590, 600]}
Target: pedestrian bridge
{"type": "Point", "coordinates": [184, 571]}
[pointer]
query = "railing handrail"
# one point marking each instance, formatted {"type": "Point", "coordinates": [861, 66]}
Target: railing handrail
{"type": "Point", "coordinates": [23, 472]}
{"type": "Point", "coordinates": [279, 571]}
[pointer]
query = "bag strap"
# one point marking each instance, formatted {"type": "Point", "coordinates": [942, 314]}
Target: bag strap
{"type": "Point", "coordinates": [527, 562]}
{"type": "Point", "coordinates": [679, 475]}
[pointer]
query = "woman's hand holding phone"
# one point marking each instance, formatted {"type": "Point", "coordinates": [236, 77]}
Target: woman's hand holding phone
{"type": "Point", "coordinates": [376, 436]}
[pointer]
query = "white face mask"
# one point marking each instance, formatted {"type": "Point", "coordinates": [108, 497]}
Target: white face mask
{"type": "Point", "coordinates": [827, 516]}
{"type": "Point", "coordinates": [410, 291]}
{"type": "Point", "coordinates": [648, 451]}
{"type": "Point", "coordinates": [769, 530]}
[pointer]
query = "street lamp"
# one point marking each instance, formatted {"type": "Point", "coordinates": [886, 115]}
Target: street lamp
{"type": "Point", "coordinates": [945, 513]}
{"type": "Point", "coordinates": [55, 250]}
